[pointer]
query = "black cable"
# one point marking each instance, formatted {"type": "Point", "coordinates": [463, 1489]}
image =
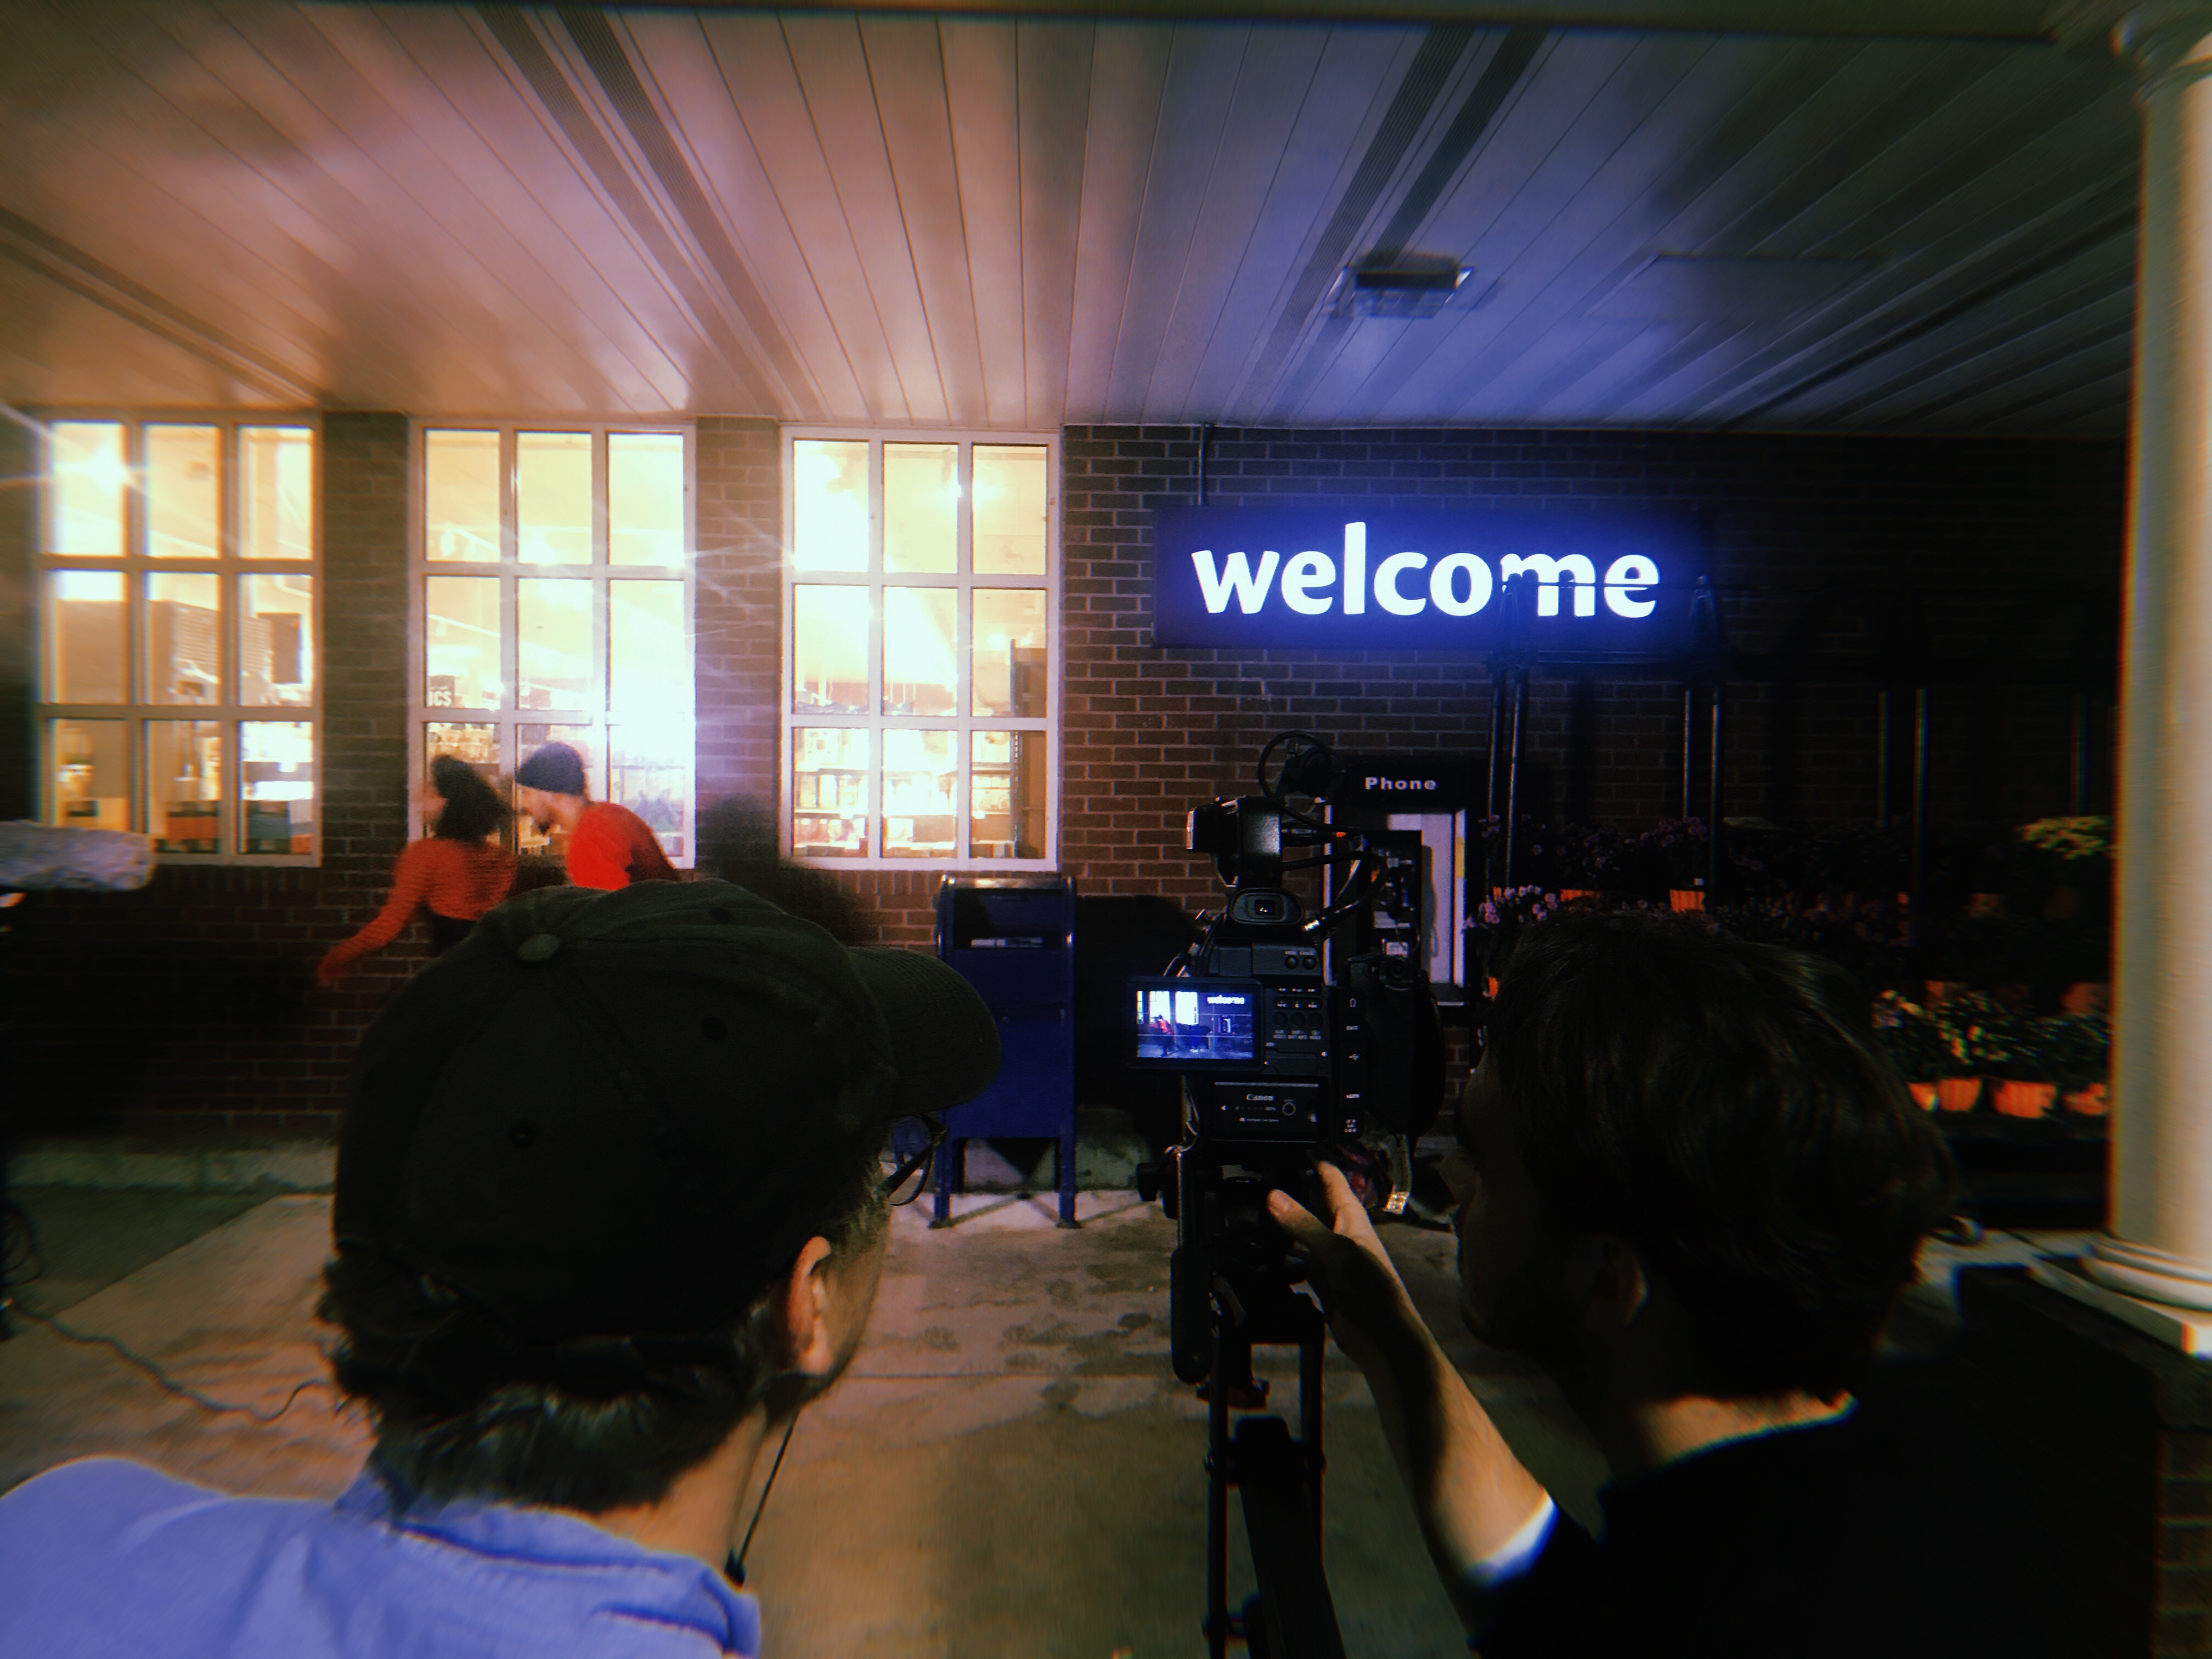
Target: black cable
{"type": "Point", "coordinates": [735, 1568]}
{"type": "Point", "coordinates": [19, 1246]}
{"type": "Point", "coordinates": [161, 1379]}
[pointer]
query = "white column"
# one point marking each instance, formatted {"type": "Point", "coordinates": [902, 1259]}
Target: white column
{"type": "Point", "coordinates": [2159, 1249]}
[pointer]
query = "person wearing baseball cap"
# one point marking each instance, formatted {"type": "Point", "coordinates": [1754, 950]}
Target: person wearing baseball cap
{"type": "Point", "coordinates": [608, 845]}
{"type": "Point", "coordinates": [610, 1210]}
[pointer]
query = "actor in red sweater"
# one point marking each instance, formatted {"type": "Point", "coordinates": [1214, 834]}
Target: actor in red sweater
{"type": "Point", "coordinates": [608, 845]}
{"type": "Point", "coordinates": [453, 872]}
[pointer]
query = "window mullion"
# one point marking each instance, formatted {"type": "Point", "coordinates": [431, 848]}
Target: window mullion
{"type": "Point", "coordinates": [963, 654]}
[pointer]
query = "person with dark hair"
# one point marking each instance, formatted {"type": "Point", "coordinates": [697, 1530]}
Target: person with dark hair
{"type": "Point", "coordinates": [608, 845]}
{"type": "Point", "coordinates": [1692, 1187]}
{"type": "Point", "coordinates": [609, 1212]}
{"type": "Point", "coordinates": [453, 874]}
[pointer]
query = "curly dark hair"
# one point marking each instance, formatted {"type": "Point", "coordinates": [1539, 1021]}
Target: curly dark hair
{"type": "Point", "coordinates": [473, 809]}
{"type": "Point", "coordinates": [462, 1408]}
{"type": "Point", "coordinates": [1726, 1109]}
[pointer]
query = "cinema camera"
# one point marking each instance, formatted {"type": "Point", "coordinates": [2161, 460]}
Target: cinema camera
{"type": "Point", "coordinates": [1285, 1054]}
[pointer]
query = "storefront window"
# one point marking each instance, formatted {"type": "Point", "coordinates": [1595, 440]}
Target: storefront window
{"type": "Point", "coordinates": [177, 579]}
{"type": "Point", "coordinates": [1007, 781]}
{"type": "Point", "coordinates": [276, 641]}
{"type": "Point", "coordinates": [275, 492]}
{"type": "Point", "coordinates": [645, 498]}
{"type": "Point", "coordinates": [184, 769]}
{"type": "Point", "coordinates": [91, 774]}
{"type": "Point", "coordinates": [920, 678]}
{"type": "Point", "coordinates": [542, 640]}
{"type": "Point", "coordinates": [84, 628]}
{"type": "Point", "coordinates": [184, 632]}
{"type": "Point", "coordinates": [829, 775]}
{"type": "Point", "coordinates": [276, 770]}
{"type": "Point", "coordinates": [461, 498]}
{"type": "Point", "coordinates": [86, 481]}
{"type": "Point", "coordinates": [181, 464]}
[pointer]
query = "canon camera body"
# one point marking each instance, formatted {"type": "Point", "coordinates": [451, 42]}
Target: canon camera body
{"type": "Point", "coordinates": [1285, 1044]}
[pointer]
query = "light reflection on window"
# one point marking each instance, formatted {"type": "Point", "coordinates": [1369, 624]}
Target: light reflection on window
{"type": "Point", "coordinates": [85, 478]}
{"type": "Point", "coordinates": [921, 674]}
{"type": "Point", "coordinates": [829, 485]}
{"type": "Point", "coordinates": [920, 771]}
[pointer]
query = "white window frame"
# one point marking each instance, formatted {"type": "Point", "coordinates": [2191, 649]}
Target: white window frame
{"type": "Point", "coordinates": [963, 579]}
{"type": "Point", "coordinates": [136, 564]}
{"type": "Point", "coordinates": [508, 568]}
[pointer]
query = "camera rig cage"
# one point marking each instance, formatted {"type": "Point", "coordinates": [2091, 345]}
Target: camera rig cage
{"type": "Point", "coordinates": [1285, 1056]}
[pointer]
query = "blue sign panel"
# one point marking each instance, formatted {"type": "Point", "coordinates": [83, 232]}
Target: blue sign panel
{"type": "Point", "coordinates": [1612, 583]}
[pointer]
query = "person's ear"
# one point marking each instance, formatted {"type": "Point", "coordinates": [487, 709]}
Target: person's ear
{"type": "Point", "coordinates": [1607, 1280]}
{"type": "Point", "coordinates": [810, 1346]}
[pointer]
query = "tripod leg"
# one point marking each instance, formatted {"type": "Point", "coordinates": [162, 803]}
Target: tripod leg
{"type": "Point", "coordinates": [1217, 1456]}
{"type": "Point", "coordinates": [1312, 1352]}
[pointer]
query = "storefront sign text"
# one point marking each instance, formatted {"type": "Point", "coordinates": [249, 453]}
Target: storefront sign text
{"type": "Point", "coordinates": [1473, 580]}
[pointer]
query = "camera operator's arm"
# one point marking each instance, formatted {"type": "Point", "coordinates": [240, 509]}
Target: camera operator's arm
{"type": "Point", "coordinates": [1473, 1498]}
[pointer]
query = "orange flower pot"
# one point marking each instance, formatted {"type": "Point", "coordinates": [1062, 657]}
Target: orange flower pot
{"type": "Point", "coordinates": [2014, 1098]}
{"type": "Point", "coordinates": [1686, 898]}
{"type": "Point", "coordinates": [1925, 1094]}
{"type": "Point", "coordinates": [2090, 1102]}
{"type": "Point", "coordinates": [1568, 895]}
{"type": "Point", "coordinates": [1958, 1094]}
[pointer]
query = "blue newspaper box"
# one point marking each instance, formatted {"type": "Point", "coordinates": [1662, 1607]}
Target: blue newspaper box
{"type": "Point", "coordinates": [1013, 938]}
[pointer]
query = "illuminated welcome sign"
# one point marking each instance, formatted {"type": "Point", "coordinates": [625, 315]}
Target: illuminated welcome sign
{"type": "Point", "coordinates": [1465, 579]}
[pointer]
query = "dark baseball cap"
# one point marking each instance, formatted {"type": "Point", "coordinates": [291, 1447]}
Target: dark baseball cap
{"type": "Point", "coordinates": [621, 1113]}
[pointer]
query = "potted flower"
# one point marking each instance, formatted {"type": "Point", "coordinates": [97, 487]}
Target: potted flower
{"type": "Point", "coordinates": [1671, 858]}
{"type": "Point", "coordinates": [1534, 852]}
{"type": "Point", "coordinates": [1587, 861]}
{"type": "Point", "coordinates": [2013, 1051]}
{"type": "Point", "coordinates": [1958, 1081]}
{"type": "Point", "coordinates": [2080, 1048]}
{"type": "Point", "coordinates": [1917, 1045]}
{"type": "Point", "coordinates": [2073, 856]}
{"type": "Point", "coordinates": [1498, 923]}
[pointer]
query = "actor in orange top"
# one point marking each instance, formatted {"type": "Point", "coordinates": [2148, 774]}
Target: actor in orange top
{"type": "Point", "coordinates": [454, 873]}
{"type": "Point", "coordinates": [608, 845]}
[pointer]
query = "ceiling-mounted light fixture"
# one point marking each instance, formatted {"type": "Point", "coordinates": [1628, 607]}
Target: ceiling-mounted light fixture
{"type": "Point", "coordinates": [1403, 286]}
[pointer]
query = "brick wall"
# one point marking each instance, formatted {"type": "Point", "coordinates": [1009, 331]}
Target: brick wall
{"type": "Point", "coordinates": [739, 600]}
{"type": "Point", "coordinates": [189, 1003]}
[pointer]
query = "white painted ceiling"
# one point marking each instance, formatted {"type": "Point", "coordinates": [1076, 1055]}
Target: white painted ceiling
{"type": "Point", "coordinates": [975, 220]}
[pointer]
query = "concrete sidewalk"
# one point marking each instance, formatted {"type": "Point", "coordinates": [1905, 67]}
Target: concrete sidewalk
{"type": "Point", "coordinates": [1009, 1467]}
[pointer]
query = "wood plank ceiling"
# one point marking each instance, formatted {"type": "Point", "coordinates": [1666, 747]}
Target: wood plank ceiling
{"type": "Point", "coordinates": [901, 219]}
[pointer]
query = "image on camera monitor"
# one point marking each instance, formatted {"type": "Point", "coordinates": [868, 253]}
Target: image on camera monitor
{"type": "Point", "coordinates": [1199, 1023]}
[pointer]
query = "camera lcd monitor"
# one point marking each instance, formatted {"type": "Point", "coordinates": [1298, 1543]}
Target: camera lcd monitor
{"type": "Point", "coordinates": [1197, 1022]}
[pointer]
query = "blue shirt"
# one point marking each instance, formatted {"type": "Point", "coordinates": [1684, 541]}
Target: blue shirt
{"type": "Point", "coordinates": [105, 1557]}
